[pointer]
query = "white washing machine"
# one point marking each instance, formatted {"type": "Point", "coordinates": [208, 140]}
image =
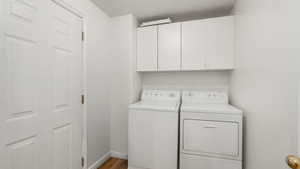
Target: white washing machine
{"type": "Point", "coordinates": [210, 131]}
{"type": "Point", "coordinates": [153, 130]}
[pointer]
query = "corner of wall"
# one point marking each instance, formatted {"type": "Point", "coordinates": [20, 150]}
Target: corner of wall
{"type": "Point", "coordinates": [100, 161]}
{"type": "Point", "coordinates": [123, 49]}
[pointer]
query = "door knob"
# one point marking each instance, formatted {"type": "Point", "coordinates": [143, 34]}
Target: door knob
{"type": "Point", "coordinates": [293, 161]}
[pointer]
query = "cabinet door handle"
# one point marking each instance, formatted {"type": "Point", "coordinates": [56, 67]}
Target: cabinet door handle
{"type": "Point", "coordinates": [210, 127]}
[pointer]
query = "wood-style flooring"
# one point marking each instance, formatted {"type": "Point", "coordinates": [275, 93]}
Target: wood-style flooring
{"type": "Point", "coordinates": [115, 163]}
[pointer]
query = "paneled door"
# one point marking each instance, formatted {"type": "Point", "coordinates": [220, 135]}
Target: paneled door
{"type": "Point", "coordinates": [65, 88]}
{"type": "Point", "coordinates": [40, 86]}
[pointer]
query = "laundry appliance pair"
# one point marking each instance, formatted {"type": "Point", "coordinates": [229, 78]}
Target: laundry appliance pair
{"type": "Point", "coordinates": [194, 129]}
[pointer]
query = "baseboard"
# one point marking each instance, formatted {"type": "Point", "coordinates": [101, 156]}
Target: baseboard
{"type": "Point", "coordinates": [129, 167]}
{"type": "Point", "coordinates": [104, 158]}
{"type": "Point", "coordinates": [118, 155]}
{"type": "Point", "coordinates": [99, 162]}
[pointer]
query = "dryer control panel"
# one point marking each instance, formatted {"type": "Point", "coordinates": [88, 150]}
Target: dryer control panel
{"type": "Point", "coordinates": [205, 97]}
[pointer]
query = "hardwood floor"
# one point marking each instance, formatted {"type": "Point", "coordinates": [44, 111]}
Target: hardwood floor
{"type": "Point", "coordinates": [115, 163]}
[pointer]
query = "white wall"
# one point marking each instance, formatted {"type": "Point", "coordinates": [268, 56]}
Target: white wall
{"type": "Point", "coordinates": [96, 25]}
{"type": "Point", "coordinates": [265, 83]}
{"type": "Point", "coordinates": [182, 80]}
{"type": "Point", "coordinates": [124, 81]}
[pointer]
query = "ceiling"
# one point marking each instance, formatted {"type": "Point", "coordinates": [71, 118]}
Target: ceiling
{"type": "Point", "coordinates": [176, 9]}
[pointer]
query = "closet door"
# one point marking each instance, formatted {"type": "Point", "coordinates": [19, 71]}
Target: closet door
{"type": "Point", "coordinates": [22, 138]}
{"type": "Point", "coordinates": [66, 88]}
{"type": "Point", "coordinates": [169, 47]}
{"type": "Point", "coordinates": [147, 48]}
{"type": "Point", "coordinates": [40, 86]}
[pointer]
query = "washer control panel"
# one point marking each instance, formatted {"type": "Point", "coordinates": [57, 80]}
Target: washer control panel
{"type": "Point", "coordinates": [160, 95]}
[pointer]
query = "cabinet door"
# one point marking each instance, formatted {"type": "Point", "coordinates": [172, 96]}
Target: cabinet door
{"type": "Point", "coordinates": [219, 46]}
{"type": "Point", "coordinates": [147, 48]}
{"type": "Point", "coordinates": [208, 44]}
{"type": "Point", "coordinates": [193, 45]}
{"type": "Point", "coordinates": [169, 47]}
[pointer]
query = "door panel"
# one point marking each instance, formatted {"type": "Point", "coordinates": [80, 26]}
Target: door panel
{"type": "Point", "coordinates": [208, 44]}
{"type": "Point", "coordinates": [66, 88]}
{"type": "Point", "coordinates": [22, 62]}
{"type": "Point", "coordinates": [169, 47]}
{"type": "Point", "coordinates": [147, 48]}
{"type": "Point", "coordinates": [20, 136]}
{"type": "Point", "coordinates": [23, 154]}
{"type": "Point", "coordinates": [193, 45]}
{"type": "Point", "coordinates": [62, 151]}
{"type": "Point", "coordinates": [61, 79]}
{"type": "Point", "coordinates": [220, 43]}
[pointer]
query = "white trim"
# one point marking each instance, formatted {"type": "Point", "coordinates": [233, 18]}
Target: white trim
{"type": "Point", "coordinates": [99, 162]}
{"type": "Point", "coordinates": [129, 167]}
{"type": "Point", "coordinates": [105, 157]}
{"type": "Point", "coordinates": [69, 7]}
{"type": "Point", "coordinates": [119, 155]}
{"type": "Point", "coordinates": [84, 92]}
{"type": "Point", "coordinates": [298, 131]}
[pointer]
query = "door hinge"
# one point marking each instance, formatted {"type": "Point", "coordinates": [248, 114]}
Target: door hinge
{"type": "Point", "coordinates": [82, 161]}
{"type": "Point", "coordinates": [82, 99]}
{"type": "Point", "coordinates": [82, 36]}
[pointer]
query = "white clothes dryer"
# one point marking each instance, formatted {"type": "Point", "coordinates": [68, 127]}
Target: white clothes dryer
{"type": "Point", "coordinates": [211, 131]}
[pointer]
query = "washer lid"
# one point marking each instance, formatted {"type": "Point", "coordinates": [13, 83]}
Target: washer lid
{"type": "Point", "coordinates": [155, 105]}
{"type": "Point", "coordinates": [209, 108]}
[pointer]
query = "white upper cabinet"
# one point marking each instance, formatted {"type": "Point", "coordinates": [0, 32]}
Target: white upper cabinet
{"type": "Point", "coordinates": [208, 44]}
{"type": "Point", "coordinates": [169, 47]}
{"type": "Point", "coordinates": [147, 48]}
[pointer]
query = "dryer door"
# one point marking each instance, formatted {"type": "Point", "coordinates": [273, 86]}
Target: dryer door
{"type": "Point", "coordinates": [210, 137]}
